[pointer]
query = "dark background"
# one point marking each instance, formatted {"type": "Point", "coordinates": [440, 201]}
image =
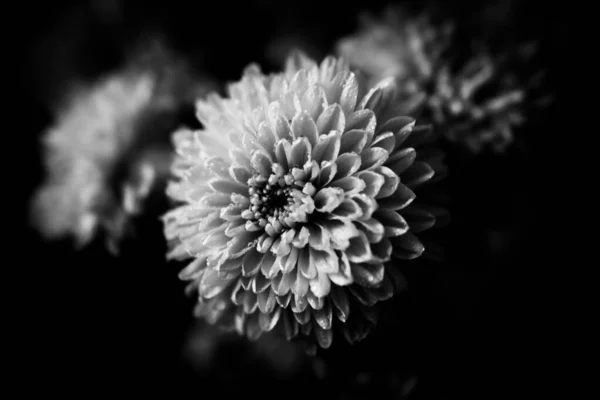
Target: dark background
{"type": "Point", "coordinates": [474, 326]}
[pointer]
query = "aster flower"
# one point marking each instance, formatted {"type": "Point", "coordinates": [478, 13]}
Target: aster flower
{"type": "Point", "coordinates": [295, 197]}
{"type": "Point", "coordinates": [108, 148]}
{"type": "Point", "coordinates": [475, 100]}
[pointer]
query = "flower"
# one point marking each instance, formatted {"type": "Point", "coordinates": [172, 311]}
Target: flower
{"type": "Point", "coordinates": [475, 101]}
{"type": "Point", "coordinates": [295, 197]}
{"type": "Point", "coordinates": [108, 149]}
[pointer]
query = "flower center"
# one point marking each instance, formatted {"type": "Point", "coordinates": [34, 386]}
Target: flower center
{"type": "Point", "coordinates": [277, 203]}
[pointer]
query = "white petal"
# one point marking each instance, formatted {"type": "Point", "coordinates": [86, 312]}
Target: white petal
{"type": "Point", "coordinates": [314, 101]}
{"type": "Point", "coordinates": [328, 199]}
{"type": "Point", "coordinates": [349, 94]}
{"type": "Point", "coordinates": [332, 119]}
{"type": "Point", "coordinates": [359, 249]}
{"type": "Point", "coordinates": [327, 148]}
{"type": "Point", "coordinates": [347, 164]}
{"type": "Point", "coordinates": [353, 141]}
{"type": "Point", "coordinates": [304, 126]}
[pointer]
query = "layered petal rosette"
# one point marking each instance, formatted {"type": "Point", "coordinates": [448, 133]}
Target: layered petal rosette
{"type": "Point", "coordinates": [295, 197]}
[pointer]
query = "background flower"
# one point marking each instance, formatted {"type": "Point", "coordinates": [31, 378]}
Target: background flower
{"type": "Point", "coordinates": [475, 97]}
{"type": "Point", "coordinates": [109, 147]}
{"type": "Point", "coordinates": [296, 195]}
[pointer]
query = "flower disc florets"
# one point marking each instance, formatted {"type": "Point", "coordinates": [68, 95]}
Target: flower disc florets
{"type": "Point", "coordinates": [295, 196]}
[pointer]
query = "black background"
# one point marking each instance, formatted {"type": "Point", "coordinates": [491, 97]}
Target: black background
{"type": "Point", "coordinates": [474, 326]}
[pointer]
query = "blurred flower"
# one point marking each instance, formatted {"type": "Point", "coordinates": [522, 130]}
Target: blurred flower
{"type": "Point", "coordinates": [294, 198]}
{"type": "Point", "coordinates": [108, 148]}
{"type": "Point", "coordinates": [475, 101]}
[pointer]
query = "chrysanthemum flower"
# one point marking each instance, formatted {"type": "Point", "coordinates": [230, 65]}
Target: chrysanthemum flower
{"type": "Point", "coordinates": [476, 102]}
{"type": "Point", "coordinates": [105, 152]}
{"type": "Point", "coordinates": [295, 197]}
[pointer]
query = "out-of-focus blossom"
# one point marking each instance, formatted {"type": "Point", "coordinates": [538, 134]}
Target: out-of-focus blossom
{"type": "Point", "coordinates": [109, 146]}
{"type": "Point", "coordinates": [475, 100]}
{"type": "Point", "coordinates": [295, 198]}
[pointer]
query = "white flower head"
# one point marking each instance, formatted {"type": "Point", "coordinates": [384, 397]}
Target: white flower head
{"type": "Point", "coordinates": [294, 198]}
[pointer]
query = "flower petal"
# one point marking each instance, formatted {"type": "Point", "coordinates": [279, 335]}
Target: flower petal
{"type": "Point", "coordinates": [326, 174]}
{"type": "Point", "coordinates": [285, 284]}
{"type": "Point", "coordinates": [353, 141]}
{"type": "Point", "coordinates": [260, 283]}
{"type": "Point", "coordinates": [306, 267]}
{"type": "Point", "coordinates": [304, 126]}
{"type": "Point", "coordinates": [266, 138]}
{"type": "Point", "coordinates": [359, 249]}
{"type": "Point", "coordinates": [367, 275]}
{"type": "Point", "coordinates": [344, 276]}
{"type": "Point", "coordinates": [382, 250]}
{"type": "Point", "coordinates": [419, 173]}
{"type": "Point", "coordinates": [282, 128]}
{"type": "Point", "coordinates": [314, 101]}
{"type": "Point", "coordinates": [301, 238]}
{"type": "Point", "coordinates": [227, 186]}
{"type": "Point", "coordinates": [252, 262]}
{"type": "Point", "coordinates": [211, 284]}
{"type": "Point", "coordinates": [327, 148]}
{"type": "Point", "coordinates": [401, 198]}
{"type": "Point", "coordinates": [385, 140]}
{"type": "Point", "coordinates": [267, 264]}
{"type": "Point", "coordinates": [290, 105]}
{"type": "Point", "coordinates": [291, 260]}
{"type": "Point", "coordinates": [328, 199]}
{"type": "Point", "coordinates": [300, 152]}
{"type": "Point", "coordinates": [300, 302]}
{"type": "Point", "coordinates": [267, 321]}
{"type": "Point", "coordinates": [261, 163]}
{"type": "Point", "coordinates": [319, 237]}
{"type": "Point", "coordinates": [348, 209]}
{"type": "Point", "coordinates": [347, 164]}
{"type": "Point", "coordinates": [373, 182]}
{"type": "Point", "coordinates": [300, 287]}
{"type": "Point", "coordinates": [299, 82]}
{"type": "Point", "coordinates": [283, 151]}
{"type": "Point", "coordinates": [303, 318]}
{"type": "Point", "coordinates": [324, 336]}
{"type": "Point", "coordinates": [332, 119]}
{"type": "Point", "coordinates": [401, 160]}
{"type": "Point", "coordinates": [340, 302]}
{"type": "Point", "coordinates": [340, 231]}
{"type": "Point", "coordinates": [240, 174]}
{"type": "Point", "coordinates": [407, 246]}
{"type": "Point", "coordinates": [364, 120]}
{"type": "Point", "coordinates": [372, 228]}
{"type": "Point", "coordinates": [393, 222]}
{"type": "Point", "coordinates": [373, 158]}
{"type": "Point", "coordinates": [396, 124]}
{"type": "Point", "coordinates": [321, 286]}
{"type": "Point", "coordinates": [349, 94]}
{"type": "Point", "coordinates": [266, 301]}
{"type": "Point", "coordinates": [323, 317]}
{"type": "Point", "coordinates": [284, 301]}
{"type": "Point", "coordinates": [390, 184]}
{"type": "Point", "coordinates": [193, 269]}
{"type": "Point", "coordinates": [326, 261]}
{"type": "Point", "coordinates": [419, 218]}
